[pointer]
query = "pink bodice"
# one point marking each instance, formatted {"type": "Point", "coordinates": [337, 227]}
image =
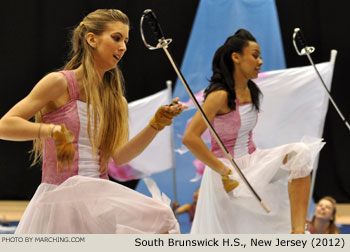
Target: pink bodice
{"type": "Point", "coordinates": [235, 130]}
{"type": "Point", "coordinates": [74, 116]}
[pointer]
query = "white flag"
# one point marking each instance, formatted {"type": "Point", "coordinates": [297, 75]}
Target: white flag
{"type": "Point", "coordinates": [158, 156]}
{"type": "Point", "coordinates": [294, 104]}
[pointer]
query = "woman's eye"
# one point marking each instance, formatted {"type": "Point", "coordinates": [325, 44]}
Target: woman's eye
{"type": "Point", "coordinates": [116, 38]}
{"type": "Point", "coordinates": [256, 55]}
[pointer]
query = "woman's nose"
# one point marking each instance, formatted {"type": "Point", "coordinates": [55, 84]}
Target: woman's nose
{"type": "Point", "coordinates": [122, 47]}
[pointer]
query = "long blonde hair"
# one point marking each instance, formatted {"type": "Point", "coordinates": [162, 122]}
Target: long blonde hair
{"type": "Point", "coordinates": [106, 96]}
{"type": "Point", "coordinates": [332, 228]}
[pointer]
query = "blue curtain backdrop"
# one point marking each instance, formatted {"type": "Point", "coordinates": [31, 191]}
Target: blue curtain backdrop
{"type": "Point", "coordinates": [214, 22]}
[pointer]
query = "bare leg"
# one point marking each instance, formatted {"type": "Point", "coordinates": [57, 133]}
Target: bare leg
{"type": "Point", "coordinates": [298, 190]}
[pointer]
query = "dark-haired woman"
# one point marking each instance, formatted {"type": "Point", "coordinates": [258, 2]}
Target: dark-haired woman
{"type": "Point", "coordinates": [281, 175]}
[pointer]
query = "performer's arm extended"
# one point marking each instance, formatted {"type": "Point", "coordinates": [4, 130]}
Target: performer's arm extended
{"type": "Point", "coordinates": [138, 143]}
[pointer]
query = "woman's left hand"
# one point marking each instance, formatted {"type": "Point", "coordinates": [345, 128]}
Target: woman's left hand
{"type": "Point", "coordinates": [64, 148]}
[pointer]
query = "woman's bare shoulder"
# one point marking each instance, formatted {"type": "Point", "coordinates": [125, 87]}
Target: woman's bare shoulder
{"type": "Point", "coordinates": [219, 96]}
{"type": "Point", "coordinates": [52, 85]}
{"type": "Point", "coordinates": [218, 100]}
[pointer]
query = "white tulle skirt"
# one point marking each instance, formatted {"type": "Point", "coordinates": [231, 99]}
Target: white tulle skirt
{"type": "Point", "coordinates": [90, 205]}
{"type": "Point", "coordinates": [239, 212]}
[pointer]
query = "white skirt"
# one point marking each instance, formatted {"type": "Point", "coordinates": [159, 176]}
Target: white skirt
{"type": "Point", "coordinates": [91, 205]}
{"type": "Point", "coordinates": [239, 212]}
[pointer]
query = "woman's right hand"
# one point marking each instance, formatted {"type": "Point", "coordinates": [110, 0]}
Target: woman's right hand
{"type": "Point", "coordinates": [229, 184]}
{"type": "Point", "coordinates": [64, 147]}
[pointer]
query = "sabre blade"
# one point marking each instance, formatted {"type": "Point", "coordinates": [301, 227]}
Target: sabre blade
{"type": "Point", "coordinates": [163, 43]}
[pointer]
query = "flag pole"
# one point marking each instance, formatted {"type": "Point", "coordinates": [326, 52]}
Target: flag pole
{"type": "Point", "coordinates": [169, 88]}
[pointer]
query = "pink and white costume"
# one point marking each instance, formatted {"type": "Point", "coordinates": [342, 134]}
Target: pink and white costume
{"type": "Point", "coordinates": [239, 211]}
{"type": "Point", "coordinates": [85, 201]}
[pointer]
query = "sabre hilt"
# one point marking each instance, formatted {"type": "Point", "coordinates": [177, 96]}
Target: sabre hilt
{"type": "Point", "coordinates": [153, 22]}
{"type": "Point", "coordinates": [307, 50]}
{"type": "Point", "coordinates": [300, 38]}
{"type": "Point", "coordinates": [300, 42]}
{"type": "Point", "coordinates": [157, 30]}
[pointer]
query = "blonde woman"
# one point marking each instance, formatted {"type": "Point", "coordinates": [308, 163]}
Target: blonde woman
{"type": "Point", "coordinates": [81, 124]}
{"type": "Point", "coordinates": [323, 221]}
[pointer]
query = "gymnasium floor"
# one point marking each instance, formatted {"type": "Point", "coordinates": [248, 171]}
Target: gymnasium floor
{"type": "Point", "coordinates": [11, 212]}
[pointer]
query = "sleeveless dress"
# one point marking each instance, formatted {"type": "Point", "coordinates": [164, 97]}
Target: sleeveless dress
{"type": "Point", "coordinates": [218, 212]}
{"type": "Point", "coordinates": [85, 201]}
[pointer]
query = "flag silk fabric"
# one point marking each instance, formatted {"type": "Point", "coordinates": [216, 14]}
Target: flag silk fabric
{"type": "Point", "coordinates": [294, 104]}
{"type": "Point", "coordinates": [158, 156]}
{"type": "Point", "coordinates": [291, 121]}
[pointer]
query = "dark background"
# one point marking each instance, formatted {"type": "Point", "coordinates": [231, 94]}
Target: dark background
{"type": "Point", "coordinates": [35, 41]}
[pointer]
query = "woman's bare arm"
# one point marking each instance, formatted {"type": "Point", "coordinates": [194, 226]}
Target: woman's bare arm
{"type": "Point", "coordinates": [214, 104]}
{"type": "Point", "coordinates": [15, 124]}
